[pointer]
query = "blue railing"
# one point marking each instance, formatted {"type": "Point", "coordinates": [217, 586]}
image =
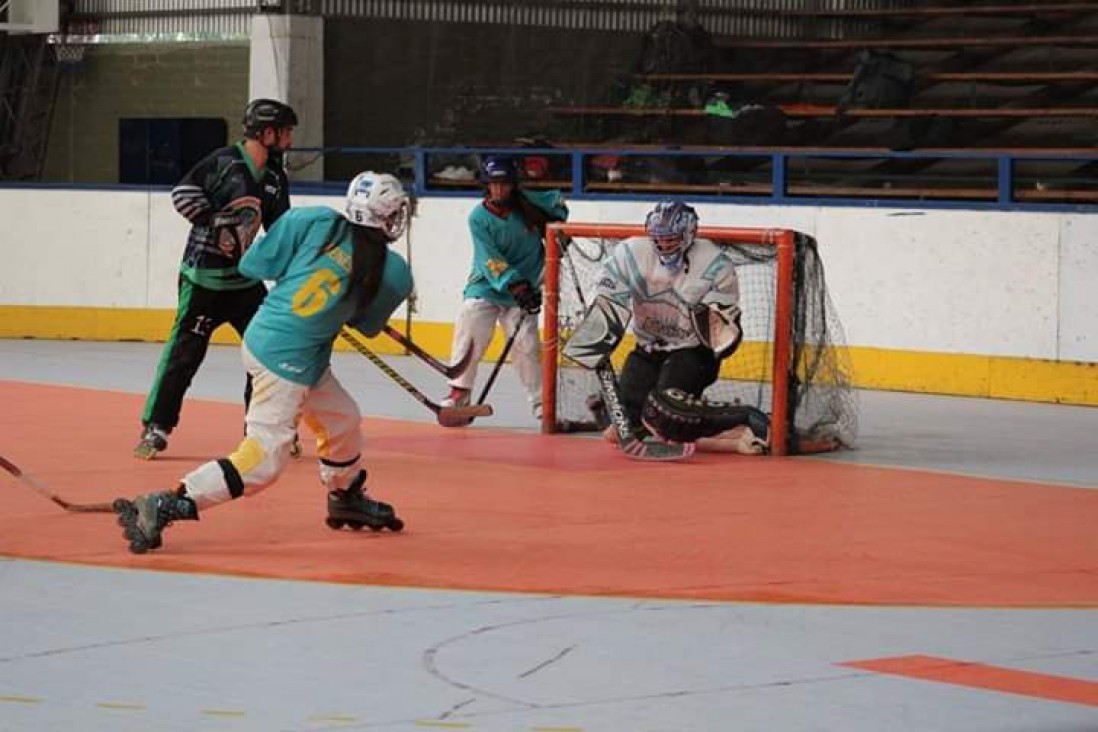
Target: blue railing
{"type": "Point", "coordinates": [1038, 180]}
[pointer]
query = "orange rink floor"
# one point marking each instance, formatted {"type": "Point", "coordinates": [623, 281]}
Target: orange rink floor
{"type": "Point", "coordinates": [516, 511]}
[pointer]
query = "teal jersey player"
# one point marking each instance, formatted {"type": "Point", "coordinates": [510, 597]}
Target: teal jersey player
{"type": "Point", "coordinates": [309, 253]}
{"type": "Point", "coordinates": [328, 268]}
{"type": "Point", "coordinates": [504, 286]}
{"type": "Point", "coordinates": [507, 248]}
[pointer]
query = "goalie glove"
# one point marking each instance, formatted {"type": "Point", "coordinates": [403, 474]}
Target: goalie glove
{"type": "Point", "coordinates": [718, 327]}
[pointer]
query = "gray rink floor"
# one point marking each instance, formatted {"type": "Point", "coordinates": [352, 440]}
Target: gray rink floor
{"type": "Point", "coordinates": [85, 648]}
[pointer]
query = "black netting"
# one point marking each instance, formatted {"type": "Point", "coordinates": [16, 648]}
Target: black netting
{"type": "Point", "coordinates": [823, 404]}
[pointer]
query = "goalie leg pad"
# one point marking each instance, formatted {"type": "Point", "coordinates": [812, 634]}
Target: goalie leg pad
{"type": "Point", "coordinates": [598, 334]}
{"type": "Point", "coordinates": [679, 417]}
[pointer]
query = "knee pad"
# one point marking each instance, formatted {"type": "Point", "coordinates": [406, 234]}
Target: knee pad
{"type": "Point", "coordinates": [677, 416]}
{"type": "Point", "coordinates": [341, 476]}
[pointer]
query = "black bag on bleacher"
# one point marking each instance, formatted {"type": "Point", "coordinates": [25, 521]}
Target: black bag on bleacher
{"type": "Point", "coordinates": [735, 123]}
{"type": "Point", "coordinates": [882, 80]}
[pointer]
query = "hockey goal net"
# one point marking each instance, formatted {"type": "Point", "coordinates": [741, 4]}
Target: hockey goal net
{"type": "Point", "coordinates": [792, 364]}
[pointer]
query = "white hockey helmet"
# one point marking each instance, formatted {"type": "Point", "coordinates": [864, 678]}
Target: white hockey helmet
{"type": "Point", "coordinates": [378, 200]}
{"type": "Point", "coordinates": [671, 226]}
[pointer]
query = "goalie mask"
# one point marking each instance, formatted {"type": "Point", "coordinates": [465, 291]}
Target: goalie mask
{"type": "Point", "coordinates": [671, 225]}
{"type": "Point", "coordinates": [378, 200]}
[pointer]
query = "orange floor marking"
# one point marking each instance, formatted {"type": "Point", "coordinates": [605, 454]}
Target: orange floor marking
{"type": "Point", "coordinates": [981, 676]}
{"type": "Point", "coordinates": [517, 511]}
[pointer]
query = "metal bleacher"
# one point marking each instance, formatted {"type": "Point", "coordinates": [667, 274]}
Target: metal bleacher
{"type": "Point", "coordinates": [1003, 107]}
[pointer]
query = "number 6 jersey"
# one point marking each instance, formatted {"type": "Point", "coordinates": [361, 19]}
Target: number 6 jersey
{"type": "Point", "coordinates": [293, 331]}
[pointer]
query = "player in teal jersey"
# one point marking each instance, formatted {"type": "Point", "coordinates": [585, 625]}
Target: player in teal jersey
{"type": "Point", "coordinates": [329, 269]}
{"type": "Point", "coordinates": [507, 229]}
{"type": "Point", "coordinates": [226, 197]}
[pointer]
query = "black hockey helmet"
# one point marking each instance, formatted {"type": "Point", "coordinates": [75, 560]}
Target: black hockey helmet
{"type": "Point", "coordinates": [499, 168]}
{"type": "Point", "coordinates": [263, 113]}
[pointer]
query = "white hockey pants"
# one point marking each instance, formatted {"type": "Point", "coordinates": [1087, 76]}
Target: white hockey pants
{"type": "Point", "coordinates": [270, 425]}
{"type": "Point", "coordinates": [475, 323]}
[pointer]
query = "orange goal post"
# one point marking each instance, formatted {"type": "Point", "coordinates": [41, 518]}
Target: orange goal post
{"type": "Point", "coordinates": [792, 363]}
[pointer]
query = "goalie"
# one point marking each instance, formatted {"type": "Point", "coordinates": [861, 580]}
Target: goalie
{"type": "Point", "coordinates": [682, 296]}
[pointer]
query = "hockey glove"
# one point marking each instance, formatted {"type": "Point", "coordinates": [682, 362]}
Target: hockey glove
{"type": "Point", "coordinates": [719, 328]}
{"type": "Point", "coordinates": [526, 297]}
{"type": "Point", "coordinates": [227, 219]}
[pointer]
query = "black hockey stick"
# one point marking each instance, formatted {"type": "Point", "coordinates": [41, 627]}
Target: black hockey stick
{"type": "Point", "coordinates": [502, 358]}
{"type": "Point", "coordinates": [491, 379]}
{"type": "Point", "coordinates": [33, 483]}
{"type": "Point", "coordinates": [630, 446]}
{"type": "Point", "coordinates": [448, 371]}
{"type": "Point", "coordinates": [444, 414]}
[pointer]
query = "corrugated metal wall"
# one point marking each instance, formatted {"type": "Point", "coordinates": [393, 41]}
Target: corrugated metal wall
{"type": "Point", "coordinates": [719, 17]}
{"type": "Point", "coordinates": [195, 19]}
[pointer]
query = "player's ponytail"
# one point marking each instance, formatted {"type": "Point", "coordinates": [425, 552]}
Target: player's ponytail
{"type": "Point", "coordinates": [532, 217]}
{"type": "Point", "coordinates": [371, 246]}
{"type": "Point", "coordinates": [368, 251]}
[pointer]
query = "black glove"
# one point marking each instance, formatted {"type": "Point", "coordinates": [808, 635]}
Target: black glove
{"type": "Point", "coordinates": [526, 297]}
{"type": "Point", "coordinates": [231, 219]}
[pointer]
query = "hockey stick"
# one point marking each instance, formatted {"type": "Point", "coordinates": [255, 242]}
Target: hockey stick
{"type": "Point", "coordinates": [499, 362]}
{"type": "Point", "coordinates": [448, 371]}
{"type": "Point", "coordinates": [464, 422]}
{"type": "Point", "coordinates": [33, 483]}
{"type": "Point", "coordinates": [444, 414]}
{"type": "Point", "coordinates": [630, 446]}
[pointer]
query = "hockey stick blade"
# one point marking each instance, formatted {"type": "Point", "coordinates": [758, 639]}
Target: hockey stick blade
{"type": "Point", "coordinates": [629, 445]}
{"type": "Point", "coordinates": [36, 485]}
{"type": "Point", "coordinates": [448, 371]}
{"type": "Point", "coordinates": [656, 451]}
{"type": "Point", "coordinates": [461, 416]}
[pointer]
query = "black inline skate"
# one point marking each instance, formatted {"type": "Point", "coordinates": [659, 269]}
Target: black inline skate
{"type": "Point", "coordinates": [143, 519]}
{"type": "Point", "coordinates": [154, 440]}
{"type": "Point", "coordinates": [354, 509]}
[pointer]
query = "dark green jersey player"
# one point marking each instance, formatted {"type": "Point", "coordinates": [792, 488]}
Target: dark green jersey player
{"type": "Point", "coordinates": [227, 196]}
